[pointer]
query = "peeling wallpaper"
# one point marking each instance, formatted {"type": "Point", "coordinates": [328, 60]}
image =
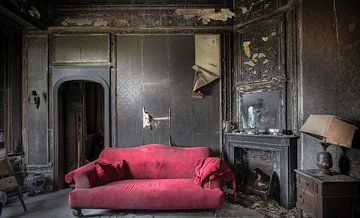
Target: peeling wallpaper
{"type": "Point", "coordinates": [146, 18]}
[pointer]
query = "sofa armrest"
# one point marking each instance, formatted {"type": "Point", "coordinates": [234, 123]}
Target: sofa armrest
{"type": "Point", "coordinates": [83, 177]}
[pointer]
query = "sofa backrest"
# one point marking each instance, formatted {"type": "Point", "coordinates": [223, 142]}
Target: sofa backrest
{"type": "Point", "coordinates": [156, 161]}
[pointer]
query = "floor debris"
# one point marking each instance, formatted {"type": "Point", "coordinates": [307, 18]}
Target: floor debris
{"type": "Point", "coordinates": [266, 207]}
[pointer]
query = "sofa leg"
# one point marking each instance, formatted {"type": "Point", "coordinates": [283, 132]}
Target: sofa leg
{"type": "Point", "coordinates": [77, 212]}
{"type": "Point", "coordinates": [216, 212]}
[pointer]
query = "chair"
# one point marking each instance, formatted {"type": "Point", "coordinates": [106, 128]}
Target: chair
{"type": "Point", "coordinates": [8, 181]}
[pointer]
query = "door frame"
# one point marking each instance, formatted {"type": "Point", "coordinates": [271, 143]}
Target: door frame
{"type": "Point", "coordinates": [61, 75]}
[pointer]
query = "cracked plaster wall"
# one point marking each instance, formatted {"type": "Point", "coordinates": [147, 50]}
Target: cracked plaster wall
{"type": "Point", "coordinates": [246, 10]}
{"type": "Point", "coordinates": [147, 18]}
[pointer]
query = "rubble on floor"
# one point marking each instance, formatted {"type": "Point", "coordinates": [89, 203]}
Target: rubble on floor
{"type": "Point", "coordinates": [266, 207]}
{"type": "Point", "coordinates": [236, 210]}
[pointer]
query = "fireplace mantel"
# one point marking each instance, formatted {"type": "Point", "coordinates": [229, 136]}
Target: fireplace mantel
{"type": "Point", "coordinates": [284, 145]}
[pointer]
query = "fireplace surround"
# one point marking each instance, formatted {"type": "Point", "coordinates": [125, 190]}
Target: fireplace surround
{"type": "Point", "coordinates": [277, 153]}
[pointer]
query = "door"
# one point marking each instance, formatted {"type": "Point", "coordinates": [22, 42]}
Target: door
{"type": "Point", "coordinates": [81, 125]}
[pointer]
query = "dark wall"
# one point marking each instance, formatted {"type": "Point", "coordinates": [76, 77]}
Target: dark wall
{"type": "Point", "coordinates": [154, 72]}
{"type": "Point", "coordinates": [330, 53]}
{"type": "Point", "coordinates": [10, 88]}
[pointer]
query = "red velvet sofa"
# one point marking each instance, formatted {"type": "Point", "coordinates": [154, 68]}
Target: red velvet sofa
{"type": "Point", "coordinates": [151, 177]}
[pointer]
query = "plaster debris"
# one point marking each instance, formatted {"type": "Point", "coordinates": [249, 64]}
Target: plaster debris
{"type": "Point", "coordinates": [265, 38]}
{"type": "Point", "coordinates": [146, 119]}
{"type": "Point", "coordinates": [266, 61]}
{"type": "Point", "coordinates": [273, 33]}
{"type": "Point", "coordinates": [244, 10]}
{"type": "Point", "coordinates": [187, 13]}
{"type": "Point", "coordinates": [122, 23]}
{"type": "Point", "coordinates": [266, 206]}
{"type": "Point", "coordinates": [206, 15]}
{"type": "Point", "coordinates": [246, 46]}
{"type": "Point", "coordinates": [101, 22]}
{"type": "Point", "coordinates": [78, 22]}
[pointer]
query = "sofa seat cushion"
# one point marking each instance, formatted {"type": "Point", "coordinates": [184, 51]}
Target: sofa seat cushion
{"type": "Point", "coordinates": [148, 194]}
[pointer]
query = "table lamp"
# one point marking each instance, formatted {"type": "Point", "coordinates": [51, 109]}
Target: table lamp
{"type": "Point", "coordinates": [330, 130]}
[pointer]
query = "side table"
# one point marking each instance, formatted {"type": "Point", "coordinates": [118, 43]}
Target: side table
{"type": "Point", "coordinates": [326, 195]}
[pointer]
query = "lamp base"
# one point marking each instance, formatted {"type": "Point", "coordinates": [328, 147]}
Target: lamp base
{"type": "Point", "coordinates": [324, 162]}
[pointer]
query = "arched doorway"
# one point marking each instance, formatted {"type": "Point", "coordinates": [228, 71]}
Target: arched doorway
{"type": "Point", "coordinates": [69, 85]}
{"type": "Point", "coordinates": [81, 124]}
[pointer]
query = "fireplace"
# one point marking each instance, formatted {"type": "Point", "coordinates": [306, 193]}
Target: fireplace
{"type": "Point", "coordinates": [273, 155]}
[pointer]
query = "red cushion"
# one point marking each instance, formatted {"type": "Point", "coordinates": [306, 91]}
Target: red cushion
{"type": "Point", "coordinates": [148, 194]}
{"type": "Point", "coordinates": [109, 172]}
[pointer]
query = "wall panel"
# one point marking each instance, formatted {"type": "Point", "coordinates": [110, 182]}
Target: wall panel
{"type": "Point", "coordinates": [330, 52]}
{"type": "Point", "coordinates": [155, 72]}
{"type": "Point", "coordinates": [36, 127]}
{"type": "Point", "coordinates": [81, 49]}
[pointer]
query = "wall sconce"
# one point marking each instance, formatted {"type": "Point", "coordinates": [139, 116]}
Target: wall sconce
{"type": "Point", "coordinates": [36, 99]}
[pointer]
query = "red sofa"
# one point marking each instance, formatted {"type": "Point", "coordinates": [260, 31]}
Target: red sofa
{"type": "Point", "coordinates": [152, 177]}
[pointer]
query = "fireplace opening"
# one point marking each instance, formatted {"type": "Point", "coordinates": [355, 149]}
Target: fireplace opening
{"type": "Point", "coordinates": [258, 172]}
{"type": "Point", "coordinates": [265, 162]}
{"type": "Point", "coordinates": [81, 124]}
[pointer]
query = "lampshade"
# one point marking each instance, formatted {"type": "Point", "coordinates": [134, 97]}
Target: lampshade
{"type": "Point", "coordinates": [331, 129]}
